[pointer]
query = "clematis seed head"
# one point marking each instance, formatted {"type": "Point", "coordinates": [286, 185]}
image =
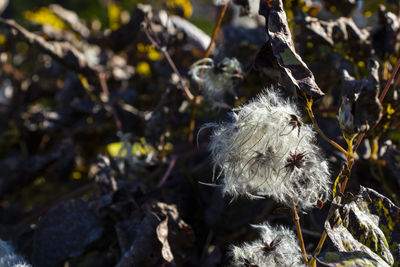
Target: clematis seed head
{"type": "Point", "coordinates": [265, 150]}
{"type": "Point", "coordinates": [277, 246]}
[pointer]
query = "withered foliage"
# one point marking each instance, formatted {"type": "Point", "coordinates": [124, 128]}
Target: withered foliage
{"type": "Point", "coordinates": [97, 169]}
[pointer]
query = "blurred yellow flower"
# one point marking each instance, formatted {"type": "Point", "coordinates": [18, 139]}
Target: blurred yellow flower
{"type": "Point", "coordinates": [143, 68]}
{"type": "Point", "coordinates": [45, 16]}
{"type": "Point", "coordinates": [185, 5]}
{"type": "Point", "coordinates": [114, 16]}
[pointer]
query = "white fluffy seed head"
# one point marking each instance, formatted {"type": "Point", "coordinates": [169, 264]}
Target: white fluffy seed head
{"type": "Point", "coordinates": [277, 246]}
{"type": "Point", "coordinates": [216, 80]}
{"type": "Point", "coordinates": [8, 258]}
{"type": "Point", "coordinates": [267, 151]}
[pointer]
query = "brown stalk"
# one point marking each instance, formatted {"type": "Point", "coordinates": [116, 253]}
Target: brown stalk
{"type": "Point", "coordinates": [320, 132]}
{"type": "Point", "coordinates": [165, 53]}
{"type": "Point", "coordinates": [298, 228]}
{"type": "Point", "coordinates": [104, 87]}
{"type": "Point", "coordinates": [192, 123]}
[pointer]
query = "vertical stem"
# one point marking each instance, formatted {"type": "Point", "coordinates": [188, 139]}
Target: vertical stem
{"type": "Point", "coordinates": [104, 87]}
{"type": "Point", "coordinates": [390, 81]}
{"type": "Point", "coordinates": [375, 147]}
{"type": "Point", "coordinates": [164, 51]}
{"type": "Point", "coordinates": [385, 69]}
{"type": "Point", "coordinates": [318, 249]}
{"type": "Point", "coordinates": [217, 26]}
{"type": "Point", "coordinates": [192, 123]}
{"type": "Point", "coordinates": [298, 228]}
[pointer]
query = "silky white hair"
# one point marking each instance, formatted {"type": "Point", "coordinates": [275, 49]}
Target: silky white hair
{"type": "Point", "coordinates": [277, 246]}
{"type": "Point", "coordinates": [265, 150]}
{"type": "Point", "coordinates": [215, 80]}
{"type": "Point", "coordinates": [8, 258]}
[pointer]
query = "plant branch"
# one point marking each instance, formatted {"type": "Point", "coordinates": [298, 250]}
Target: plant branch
{"type": "Point", "coordinates": [298, 228]}
{"type": "Point", "coordinates": [321, 133]}
{"type": "Point", "coordinates": [216, 28]}
{"type": "Point", "coordinates": [104, 87]}
{"type": "Point", "coordinates": [164, 51]}
{"type": "Point", "coordinates": [318, 249]}
{"type": "Point", "coordinates": [389, 82]}
{"type": "Point", "coordinates": [175, 157]}
{"type": "Point", "coordinates": [192, 123]}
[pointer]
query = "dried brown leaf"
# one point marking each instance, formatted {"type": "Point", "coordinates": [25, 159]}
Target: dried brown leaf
{"type": "Point", "coordinates": [283, 50]}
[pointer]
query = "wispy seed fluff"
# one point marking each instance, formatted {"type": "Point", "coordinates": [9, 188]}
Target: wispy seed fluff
{"type": "Point", "coordinates": [267, 151]}
{"type": "Point", "coordinates": [216, 80]}
{"type": "Point", "coordinates": [277, 246]}
{"type": "Point", "coordinates": [8, 258]}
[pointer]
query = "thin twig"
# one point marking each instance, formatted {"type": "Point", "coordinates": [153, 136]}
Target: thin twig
{"type": "Point", "coordinates": [389, 82]}
{"type": "Point", "coordinates": [164, 51]}
{"type": "Point", "coordinates": [175, 157]}
{"type": "Point", "coordinates": [298, 228]}
{"type": "Point", "coordinates": [192, 123]}
{"type": "Point", "coordinates": [216, 28]}
{"type": "Point", "coordinates": [104, 87]}
{"type": "Point", "coordinates": [318, 248]}
{"type": "Point", "coordinates": [321, 133]}
{"type": "Point", "coordinates": [171, 166]}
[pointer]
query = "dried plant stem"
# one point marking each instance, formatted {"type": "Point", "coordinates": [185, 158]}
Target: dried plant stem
{"type": "Point", "coordinates": [104, 87]}
{"type": "Point", "coordinates": [175, 157]}
{"type": "Point", "coordinates": [389, 82]}
{"type": "Point", "coordinates": [350, 161]}
{"type": "Point", "coordinates": [298, 228]}
{"type": "Point", "coordinates": [216, 28]}
{"type": "Point", "coordinates": [321, 242]}
{"type": "Point", "coordinates": [165, 53]}
{"type": "Point", "coordinates": [350, 158]}
{"type": "Point", "coordinates": [192, 123]}
{"type": "Point", "coordinates": [314, 121]}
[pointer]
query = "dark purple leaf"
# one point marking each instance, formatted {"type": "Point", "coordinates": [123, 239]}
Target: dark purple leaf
{"type": "Point", "coordinates": [280, 45]}
{"type": "Point", "coordinates": [64, 232]}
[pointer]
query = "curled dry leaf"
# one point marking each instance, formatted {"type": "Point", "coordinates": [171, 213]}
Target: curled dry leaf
{"type": "Point", "coordinates": [162, 235]}
{"type": "Point", "coordinates": [345, 259]}
{"type": "Point", "coordinates": [386, 37]}
{"type": "Point", "coordinates": [280, 45]}
{"type": "Point", "coordinates": [176, 236]}
{"type": "Point", "coordinates": [361, 109]}
{"type": "Point", "coordinates": [335, 32]}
